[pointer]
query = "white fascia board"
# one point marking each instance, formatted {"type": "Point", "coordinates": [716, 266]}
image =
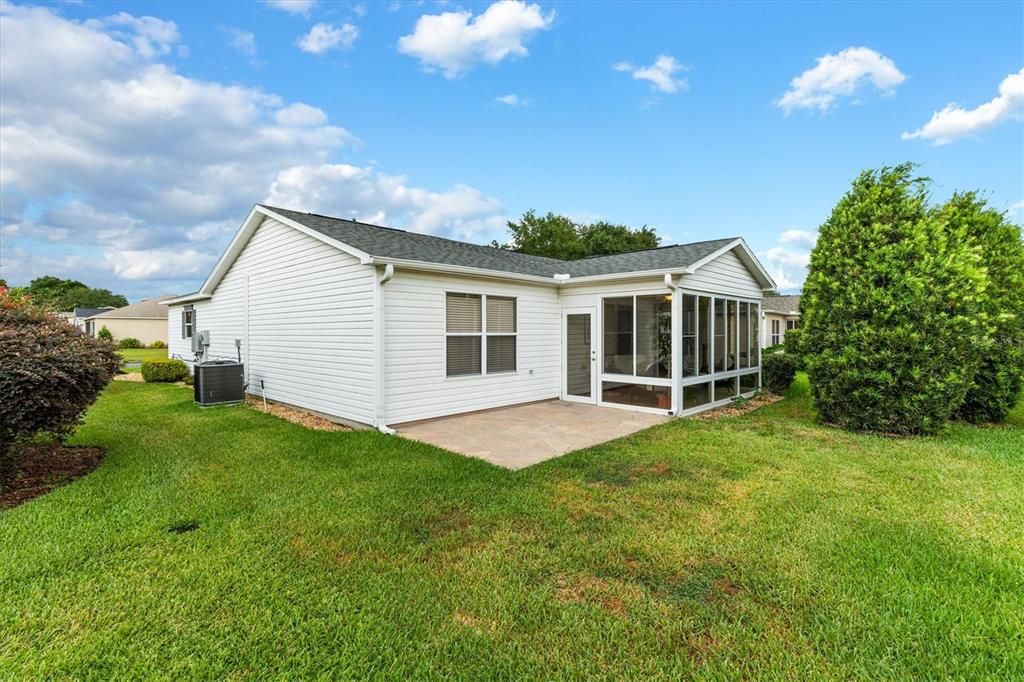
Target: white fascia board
{"type": "Point", "coordinates": [185, 299]}
{"type": "Point", "coordinates": [746, 255]}
{"type": "Point", "coordinates": [424, 266]}
{"type": "Point", "coordinates": [620, 276]}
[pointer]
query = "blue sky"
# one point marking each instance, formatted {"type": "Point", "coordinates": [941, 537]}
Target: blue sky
{"type": "Point", "coordinates": [137, 135]}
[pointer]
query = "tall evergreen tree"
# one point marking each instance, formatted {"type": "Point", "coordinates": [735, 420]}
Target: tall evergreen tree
{"type": "Point", "coordinates": [892, 327]}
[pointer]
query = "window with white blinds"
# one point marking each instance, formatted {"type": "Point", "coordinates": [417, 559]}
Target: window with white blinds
{"type": "Point", "coordinates": [480, 334]}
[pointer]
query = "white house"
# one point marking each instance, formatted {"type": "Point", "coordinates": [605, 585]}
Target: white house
{"type": "Point", "coordinates": [377, 326]}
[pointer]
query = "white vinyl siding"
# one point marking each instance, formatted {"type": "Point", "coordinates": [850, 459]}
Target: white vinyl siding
{"type": "Point", "coordinates": [726, 275]}
{"type": "Point", "coordinates": [416, 385]}
{"type": "Point", "coordinates": [304, 312]}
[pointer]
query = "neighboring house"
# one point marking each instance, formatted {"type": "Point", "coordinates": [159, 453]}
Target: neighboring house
{"type": "Point", "coordinates": [377, 326]}
{"type": "Point", "coordinates": [145, 321]}
{"type": "Point", "coordinates": [781, 313]}
{"type": "Point", "coordinates": [80, 315]}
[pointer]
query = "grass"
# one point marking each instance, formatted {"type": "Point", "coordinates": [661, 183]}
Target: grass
{"type": "Point", "coordinates": [143, 354]}
{"type": "Point", "coordinates": [227, 543]}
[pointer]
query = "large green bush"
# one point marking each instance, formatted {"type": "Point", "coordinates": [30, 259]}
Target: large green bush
{"type": "Point", "coordinates": [778, 371]}
{"type": "Point", "coordinates": [997, 384]}
{"type": "Point", "coordinates": [130, 342]}
{"type": "Point", "coordinates": [893, 331]}
{"type": "Point", "coordinates": [50, 373]}
{"type": "Point", "coordinates": [105, 334]}
{"type": "Point", "coordinates": [156, 371]}
{"type": "Point", "coordinates": [158, 344]}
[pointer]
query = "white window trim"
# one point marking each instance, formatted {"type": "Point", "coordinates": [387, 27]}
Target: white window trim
{"type": "Point", "coordinates": [483, 334]}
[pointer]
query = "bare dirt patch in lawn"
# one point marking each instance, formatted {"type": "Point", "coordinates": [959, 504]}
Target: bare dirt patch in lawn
{"type": "Point", "coordinates": [135, 377]}
{"type": "Point", "coordinates": [310, 421]}
{"type": "Point", "coordinates": [41, 468]}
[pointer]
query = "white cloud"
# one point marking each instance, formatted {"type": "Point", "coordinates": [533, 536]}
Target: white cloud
{"type": "Point", "coordinates": [148, 35]}
{"type": "Point", "coordinates": [787, 264]}
{"type": "Point", "coordinates": [243, 42]}
{"type": "Point", "coordinates": [359, 9]}
{"type": "Point", "coordinates": [799, 238]}
{"type": "Point", "coordinates": [366, 194]}
{"type": "Point", "coordinates": [513, 100]}
{"type": "Point", "coordinates": [302, 7]}
{"type": "Point", "coordinates": [661, 74]}
{"type": "Point", "coordinates": [324, 37]}
{"type": "Point", "coordinates": [455, 41]}
{"type": "Point", "coordinates": [953, 121]}
{"type": "Point", "coordinates": [158, 263]}
{"type": "Point", "coordinates": [122, 168]}
{"type": "Point", "coordinates": [840, 75]}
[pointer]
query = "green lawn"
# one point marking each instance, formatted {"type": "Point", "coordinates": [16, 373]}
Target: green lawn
{"type": "Point", "coordinates": [143, 354]}
{"type": "Point", "coordinates": [763, 546]}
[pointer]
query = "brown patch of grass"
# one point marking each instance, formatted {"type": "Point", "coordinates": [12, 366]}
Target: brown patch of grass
{"type": "Point", "coordinates": [589, 589]}
{"type": "Point", "coordinates": [38, 469]}
{"type": "Point", "coordinates": [135, 377]}
{"type": "Point", "coordinates": [293, 415]}
{"type": "Point", "coordinates": [474, 623]}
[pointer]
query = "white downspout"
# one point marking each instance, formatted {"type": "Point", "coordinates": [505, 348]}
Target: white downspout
{"type": "Point", "coordinates": [380, 418]}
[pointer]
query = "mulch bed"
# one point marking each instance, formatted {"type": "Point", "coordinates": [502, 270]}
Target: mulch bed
{"type": "Point", "coordinates": [310, 421]}
{"type": "Point", "coordinates": [41, 468]}
{"type": "Point", "coordinates": [736, 409]}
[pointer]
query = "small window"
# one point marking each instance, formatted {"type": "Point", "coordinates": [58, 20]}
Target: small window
{"type": "Point", "coordinates": [188, 322]}
{"type": "Point", "coordinates": [776, 339]}
{"type": "Point", "coordinates": [790, 325]}
{"type": "Point", "coordinates": [474, 322]}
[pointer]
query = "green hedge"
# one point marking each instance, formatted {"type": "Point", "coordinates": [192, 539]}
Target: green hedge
{"type": "Point", "coordinates": [154, 371]}
{"type": "Point", "coordinates": [778, 371]}
{"type": "Point", "coordinates": [158, 344]}
{"type": "Point", "coordinates": [130, 342]}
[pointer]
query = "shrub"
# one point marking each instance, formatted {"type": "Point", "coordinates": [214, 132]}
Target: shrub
{"type": "Point", "coordinates": [158, 344]}
{"type": "Point", "coordinates": [778, 371]}
{"type": "Point", "coordinates": [130, 342]}
{"type": "Point", "coordinates": [892, 327]}
{"type": "Point", "coordinates": [104, 334]}
{"type": "Point", "coordinates": [997, 384]}
{"type": "Point", "coordinates": [794, 348]}
{"type": "Point", "coordinates": [155, 371]}
{"type": "Point", "coordinates": [50, 373]}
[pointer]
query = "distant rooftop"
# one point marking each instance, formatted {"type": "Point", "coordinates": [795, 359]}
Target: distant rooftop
{"type": "Point", "coordinates": [784, 305]}
{"type": "Point", "coordinates": [146, 308]}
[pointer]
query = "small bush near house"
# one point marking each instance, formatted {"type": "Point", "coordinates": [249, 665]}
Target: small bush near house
{"type": "Point", "coordinates": [130, 342]}
{"type": "Point", "coordinates": [997, 384]}
{"type": "Point", "coordinates": [158, 371]}
{"type": "Point", "coordinates": [778, 371]}
{"type": "Point", "coordinates": [794, 347]}
{"type": "Point", "coordinates": [50, 372]}
{"type": "Point", "coordinates": [104, 334]}
{"type": "Point", "coordinates": [158, 344]}
{"type": "Point", "coordinates": [893, 330]}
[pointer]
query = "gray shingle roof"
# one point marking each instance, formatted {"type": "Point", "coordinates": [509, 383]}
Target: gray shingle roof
{"type": "Point", "coordinates": [387, 242]}
{"type": "Point", "coordinates": [785, 305]}
{"type": "Point", "coordinates": [149, 307]}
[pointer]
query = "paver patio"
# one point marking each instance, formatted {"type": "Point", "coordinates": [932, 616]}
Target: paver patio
{"type": "Point", "coordinates": [522, 435]}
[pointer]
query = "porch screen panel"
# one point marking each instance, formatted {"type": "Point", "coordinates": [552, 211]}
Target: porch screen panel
{"type": "Point", "coordinates": [720, 335]}
{"type": "Point", "coordinates": [689, 327]}
{"type": "Point", "coordinates": [755, 335]}
{"type": "Point", "coordinates": [731, 352]}
{"type": "Point", "coordinates": [618, 335]}
{"type": "Point", "coordinates": [744, 350]}
{"type": "Point", "coordinates": [654, 336]}
{"type": "Point", "coordinates": [704, 339]}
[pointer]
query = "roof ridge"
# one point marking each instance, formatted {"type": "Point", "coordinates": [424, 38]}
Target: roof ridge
{"type": "Point", "coordinates": [656, 248]}
{"type": "Point", "coordinates": [418, 234]}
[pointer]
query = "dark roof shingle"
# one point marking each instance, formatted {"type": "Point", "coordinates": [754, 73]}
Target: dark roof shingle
{"type": "Point", "coordinates": [387, 242]}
